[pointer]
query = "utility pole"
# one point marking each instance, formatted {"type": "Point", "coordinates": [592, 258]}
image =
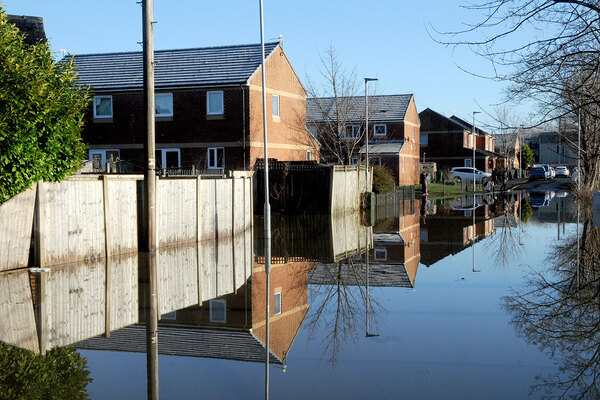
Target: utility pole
{"type": "Point", "coordinates": [150, 202]}
{"type": "Point", "coordinates": [267, 209]}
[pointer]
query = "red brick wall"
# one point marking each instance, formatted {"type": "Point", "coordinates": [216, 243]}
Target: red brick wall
{"type": "Point", "coordinates": [288, 139]}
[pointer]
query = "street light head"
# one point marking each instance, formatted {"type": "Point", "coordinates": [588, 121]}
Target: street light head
{"type": "Point", "coordinates": [371, 79]}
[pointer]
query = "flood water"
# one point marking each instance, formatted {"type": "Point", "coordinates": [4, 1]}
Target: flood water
{"type": "Point", "coordinates": [458, 298]}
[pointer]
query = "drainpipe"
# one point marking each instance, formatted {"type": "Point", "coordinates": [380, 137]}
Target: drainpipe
{"type": "Point", "coordinates": [243, 125]}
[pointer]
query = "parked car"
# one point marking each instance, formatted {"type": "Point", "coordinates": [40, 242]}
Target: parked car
{"type": "Point", "coordinates": [562, 171]}
{"type": "Point", "coordinates": [538, 172]}
{"type": "Point", "coordinates": [460, 173]}
{"type": "Point", "coordinates": [548, 170]}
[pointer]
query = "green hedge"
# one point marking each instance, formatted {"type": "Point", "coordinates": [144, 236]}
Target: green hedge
{"type": "Point", "coordinates": [41, 114]}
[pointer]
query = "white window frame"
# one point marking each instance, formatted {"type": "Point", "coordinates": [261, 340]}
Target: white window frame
{"type": "Point", "coordinates": [468, 163]}
{"type": "Point", "coordinates": [276, 97]}
{"type": "Point", "coordinates": [163, 156]}
{"type": "Point", "coordinates": [208, 166]}
{"type": "Point", "coordinates": [275, 304]}
{"type": "Point", "coordinates": [222, 303]}
{"type": "Point", "coordinates": [96, 116]}
{"type": "Point", "coordinates": [308, 155]}
{"type": "Point", "coordinates": [355, 130]}
{"type": "Point", "coordinates": [217, 112]}
{"type": "Point", "coordinates": [355, 160]}
{"type": "Point", "coordinates": [380, 251]}
{"type": "Point", "coordinates": [157, 95]}
{"type": "Point", "coordinates": [102, 152]}
{"type": "Point", "coordinates": [380, 134]}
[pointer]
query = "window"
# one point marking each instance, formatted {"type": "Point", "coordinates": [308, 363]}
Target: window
{"type": "Point", "coordinates": [308, 155]}
{"type": "Point", "coordinates": [103, 107]}
{"type": "Point", "coordinates": [468, 162]}
{"type": "Point", "coordinates": [218, 311]}
{"type": "Point", "coordinates": [216, 157]}
{"type": "Point", "coordinates": [167, 158]}
{"type": "Point", "coordinates": [424, 139]}
{"type": "Point", "coordinates": [380, 254]}
{"type": "Point", "coordinates": [277, 302]}
{"type": "Point", "coordinates": [402, 163]}
{"type": "Point", "coordinates": [163, 104]}
{"type": "Point", "coordinates": [100, 157]}
{"type": "Point", "coordinates": [214, 103]}
{"type": "Point", "coordinates": [413, 133]}
{"type": "Point", "coordinates": [351, 132]}
{"type": "Point", "coordinates": [355, 160]}
{"type": "Point", "coordinates": [424, 236]}
{"type": "Point", "coordinates": [380, 130]}
{"type": "Point", "coordinates": [276, 105]}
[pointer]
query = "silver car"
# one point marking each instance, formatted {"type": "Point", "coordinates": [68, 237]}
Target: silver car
{"type": "Point", "coordinates": [466, 173]}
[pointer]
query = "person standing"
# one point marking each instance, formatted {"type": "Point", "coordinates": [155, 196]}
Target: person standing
{"type": "Point", "coordinates": [504, 180]}
{"type": "Point", "coordinates": [423, 182]}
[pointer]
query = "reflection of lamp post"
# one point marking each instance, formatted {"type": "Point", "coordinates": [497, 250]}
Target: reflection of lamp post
{"type": "Point", "coordinates": [424, 153]}
{"type": "Point", "coordinates": [367, 334]}
{"type": "Point", "coordinates": [367, 80]}
{"type": "Point", "coordinates": [474, 145]}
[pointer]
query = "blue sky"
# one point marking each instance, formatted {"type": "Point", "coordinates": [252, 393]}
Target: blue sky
{"type": "Point", "coordinates": [380, 38]}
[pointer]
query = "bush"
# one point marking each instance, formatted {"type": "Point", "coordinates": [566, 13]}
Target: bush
{"type": "Point", "coordinates": [383, 180]}
{"type": "Point", "coordinates": [41, 114]}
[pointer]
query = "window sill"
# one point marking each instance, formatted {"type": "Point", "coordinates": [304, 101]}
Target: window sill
{"type": "Point", "coordinates": [276, 119]}
{"type": "Point", "coordinates": [103, 120]}
{"type": "Point", "coordinates": [215, 116]}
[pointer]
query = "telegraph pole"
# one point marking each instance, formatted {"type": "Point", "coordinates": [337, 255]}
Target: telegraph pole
{"type": "Point", "coordinates": [267, 209]}
{"type": "Point", "coordinates": [150, 202]}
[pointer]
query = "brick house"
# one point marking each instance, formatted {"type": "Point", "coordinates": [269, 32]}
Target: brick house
{"type": "Point", "coordinates": [394, 131]}
{"type": "Point", "coordinates": [449, 142]}
{"type": "Point", "coordinates": [208, 107]}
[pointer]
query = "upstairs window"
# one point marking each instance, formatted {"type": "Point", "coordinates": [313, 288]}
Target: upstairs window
{"type": "Point", "coordinates": [424, 139]}
{"type": "Point", "coordinates": [276, 105]}
{"type": "Point", "coordinates": [103, 107]}
{"type": "Point", "coordinates": [163, 104]}
{"type": "Point", "coordinates": [380, 130]}
{"type": "Point", "coordinates": [277, 303]}
{"type": "Point", "coordinates": [216, 157]}
{"type": "Point", "coordinates": [214, 102]}
{"type": "Point", "coordinates": [308, 155]}
{"type": "Point", "coordinates": [351, 132]}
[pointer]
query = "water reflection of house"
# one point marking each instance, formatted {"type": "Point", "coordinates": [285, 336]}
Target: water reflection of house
{"type": "Point", "coordinates": [451, 229]}
{"type": "Point", "coordinates": [231, 326]}
{"type": "Point", "coordinates": [393, 258]}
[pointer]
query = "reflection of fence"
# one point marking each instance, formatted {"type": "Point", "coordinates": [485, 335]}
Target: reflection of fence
{"type": "Point", "coordinates": [393, 204]}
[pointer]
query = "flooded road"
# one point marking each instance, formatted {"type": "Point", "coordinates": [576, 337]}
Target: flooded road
{"type": "Point", "coordinates": [459, 298]}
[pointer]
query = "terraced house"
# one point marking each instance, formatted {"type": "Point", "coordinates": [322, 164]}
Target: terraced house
{"type": "Point", "coordinates": [208, 108]}
{"type": "Point", "coordinates": [394, 132]}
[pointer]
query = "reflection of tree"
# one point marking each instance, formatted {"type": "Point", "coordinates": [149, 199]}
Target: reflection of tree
{"type": "Point", "coordinates": [560, 313]}
{"type": "Point", "coordinates": [60, 374]}
{"type": "Point", "coordinates": [506, 243]}
{"type": "Point", "coordinates": [338, 305]}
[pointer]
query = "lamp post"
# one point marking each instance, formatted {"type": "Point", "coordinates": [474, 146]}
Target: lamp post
{"type": "Point", "coordinates": [367, 80]}
{"type": "Point", "coordinates": [520, 152]}
{"type": "Point", "coordinates": [474, 145]}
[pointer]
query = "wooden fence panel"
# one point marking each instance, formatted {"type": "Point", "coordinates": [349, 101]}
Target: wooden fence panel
{"type": "Point", "coordinates": [123, 215]}
{"type": "Point", "coordinates": [16, 222]}
{"type": "Point", "coordinates": [177, 269]}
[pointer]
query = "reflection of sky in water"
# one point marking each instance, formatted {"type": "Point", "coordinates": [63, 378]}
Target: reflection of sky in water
{"type": "Point", "coordinates": [449, 338]}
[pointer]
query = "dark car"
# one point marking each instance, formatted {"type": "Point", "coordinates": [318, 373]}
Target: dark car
{"type": "Point", "coordinates": [538, 173]}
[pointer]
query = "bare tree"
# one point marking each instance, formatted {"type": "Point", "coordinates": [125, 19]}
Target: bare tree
{"type": "Point", "coordinates": [549, 53]}
{"type": "Point", "coordinates": [336, 109]}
